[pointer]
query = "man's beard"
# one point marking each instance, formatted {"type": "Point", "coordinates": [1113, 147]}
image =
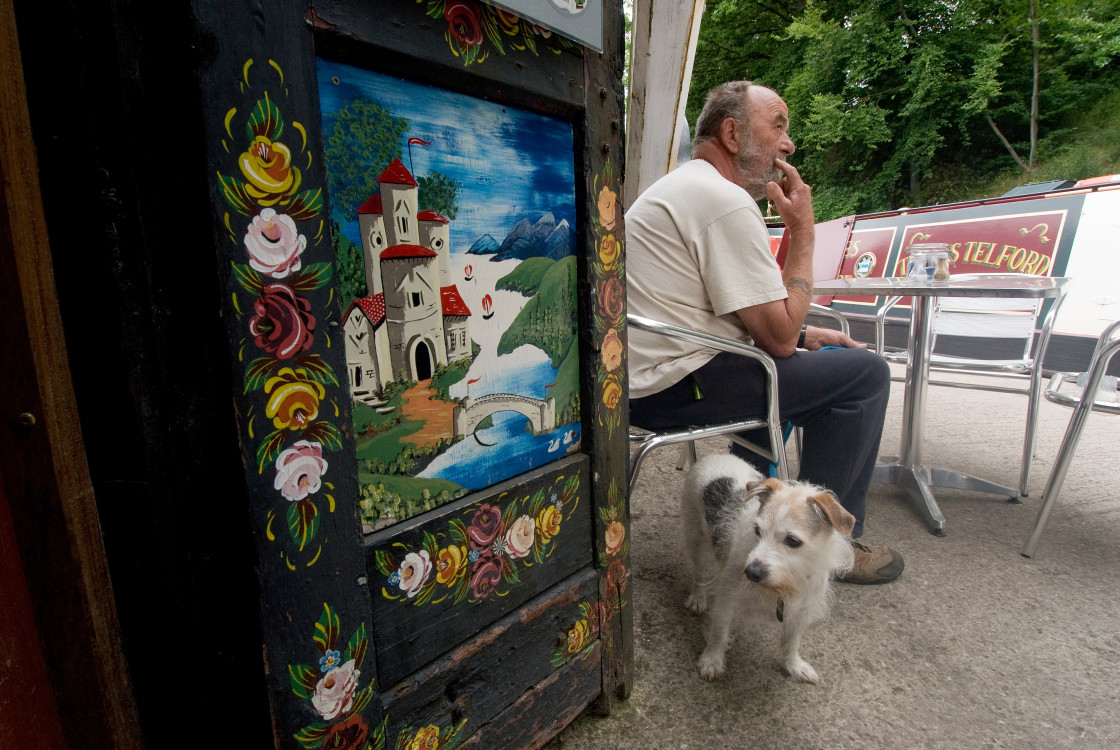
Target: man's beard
{"type": "Point", "coordinates": [755, 170]}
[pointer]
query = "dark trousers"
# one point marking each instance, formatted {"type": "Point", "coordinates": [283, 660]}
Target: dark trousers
{"type": "Point", "coordinates": [837, 396]}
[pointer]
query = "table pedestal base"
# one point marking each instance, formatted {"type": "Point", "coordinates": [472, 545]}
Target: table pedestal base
{"type": "Point", "coordinates": [917, 481]}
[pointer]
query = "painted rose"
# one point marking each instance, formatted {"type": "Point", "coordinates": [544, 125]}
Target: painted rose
{"type": "Point", "coordinates": [348, 735]}
{"type": "Point", "coordinates": [334, 694]}
{"type": "Point", "coordinates": [293, 399]}
{"type": "Point", "coordinates": [613, 537]}
{"type": "Point", "coordinates": [509, 23]}
{"type": "Point", "coordinates": [578, 636]}
{"type": "Point", "coordinates": [611, 299]}
{"type": "Point", "coordinates": [611, 351]}
{"type": "Point", "coordinates": [414, 571]}
{"type": "Point", "coordinates": [486, 574]}
{"type": "Point", "coordinates": [425, 739]}
{"type": "Point", "coordinates": [486, 526]}
{"type": "Point", "coordinates": [616, 575]}
{"type": "Point", "coordinates": [450, 564]}
{"type": "Point", "coordinates": [463, 22]}
{"type": "Point", "coordinates": [612, 391]}
{"type": "Point", "coordinates": [548, 522]}
{"type": "Point", "coordinates": [609, 248]}
{"type": "Point", "coordinates": [519, 538]}
{"type": "Point", "coordinates": [282, 322]}
{"type": "Point", "coordinates": [274, 245]}
{"type": "Point", "coordinates": [268, 168]}
{"type": "Point", "coordinates": [608, 204]}
{"type": "Point", "coordinates": [299, 470]}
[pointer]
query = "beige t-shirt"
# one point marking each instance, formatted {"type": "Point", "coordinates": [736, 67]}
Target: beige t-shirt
{"type": "Point", "coordinates": [697, 250]}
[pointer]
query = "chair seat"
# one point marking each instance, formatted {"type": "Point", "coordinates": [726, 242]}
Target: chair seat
{"type": "Point", "coordinates": [1068, 388]}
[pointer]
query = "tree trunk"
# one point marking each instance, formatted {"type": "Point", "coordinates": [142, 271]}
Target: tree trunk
{"type": "Point", "coordinates": [1034, 76]}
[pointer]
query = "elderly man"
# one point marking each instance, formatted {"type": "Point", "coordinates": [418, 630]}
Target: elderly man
{"type": "Point", "coordinates": [698, 256]}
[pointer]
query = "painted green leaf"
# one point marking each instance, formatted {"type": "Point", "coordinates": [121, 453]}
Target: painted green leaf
{"type": "Point", "coordinates": [312, 277]}
{"type": "Point", "coordinates": [527, 37]}
{"type": "Point", "coordinates": [249, 279]}
{"type": "Point", "coordinates": [265, 120]}
{"type": "Point", "coordinates": [258, 371]}
{"type": "Point", "coordinates": [306, 205]}
{"type": "Point", "coordinates": [326, 629]}
{"type": "Point", "coordinates": [269, 449]}
{"type": "Point", "coordinates": [378, 735]}
{"type": "Point", "coordinates": [303, 521]}
{"type": "Point", "coordinates": [233, 190]}
{"type": "Point", "coordinates": [312, 736]}
{"type": "Point", "coordinates": [492, 33]}
{"type": "Point", "coordinates": [385, 561]}
{"type": "Point", "coordinates": [356, 648]}
{"type": "Point", "coordinates": [361, 700]}
{"type": "Point", "coordinates": [325, 433]}
{"type": "Point", "coordinates": [304, 679]}
{"type": "Point", "coordinates": [318, 369]}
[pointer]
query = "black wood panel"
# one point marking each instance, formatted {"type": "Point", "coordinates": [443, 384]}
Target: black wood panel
{"type": "Point", "coordinates": [413, 630]}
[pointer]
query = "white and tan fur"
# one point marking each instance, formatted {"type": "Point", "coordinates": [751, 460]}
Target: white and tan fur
{"type": "Point", "coordinates": [760, 548]}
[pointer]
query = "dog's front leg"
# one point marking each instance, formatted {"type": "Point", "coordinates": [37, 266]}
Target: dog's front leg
{"type": "Point", "coordinates": [711, 662]}
{"type": "Point", "coordinates": [795, 665]}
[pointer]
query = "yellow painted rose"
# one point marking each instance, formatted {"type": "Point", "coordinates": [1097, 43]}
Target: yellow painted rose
{"type": "Point", "coordinates": [612, 391]}
{"type": "Point", "coordinates": [425, 739]}
{"type": "Point", "coordinates": [268, 168]}
{"type": "Point", "coordinates": [450, 566]}
{"type": "Point", "coordinates": [293, 399]}
{"type": "Point", "coordinates": [608, 201]}
{"type": "Point", "coordinates": [609, 249]}
{"type": "Point", "coordinates": [611, 351]}
{"type": "Point", "coordinates": [549, 522]}
{"type": "Point", "coordinates": [614, 535]}
{"type": "Point", "coordinates": [578, 636]}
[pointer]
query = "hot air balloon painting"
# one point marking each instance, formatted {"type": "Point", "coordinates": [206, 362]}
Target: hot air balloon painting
{"type": "Point", "coordinates": [468, 272]}
{"type": "Point", "coordinates": [487, 307]}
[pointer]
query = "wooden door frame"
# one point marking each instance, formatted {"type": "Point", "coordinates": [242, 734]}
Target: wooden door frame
{"type": "Point", "coordinates": [42, 459]}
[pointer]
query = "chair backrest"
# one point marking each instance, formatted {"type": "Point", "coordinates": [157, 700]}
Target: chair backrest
{"type": "Point", "coordinates": [830, 242]}
{"type": "Point", "coordinates": [998, 318]}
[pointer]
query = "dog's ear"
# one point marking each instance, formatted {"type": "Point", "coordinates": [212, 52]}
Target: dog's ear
{"type": "Point", "coordinates": [834, 512]}
{"type": "Point", "coordinates": [762, 490]}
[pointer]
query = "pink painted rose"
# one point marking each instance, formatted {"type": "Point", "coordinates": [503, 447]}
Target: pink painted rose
{"type": "Point", "coordinates": [334, 695]}
{"type": "Point", "coordinates": [608, 204]}
{"type": "Point", "coordinates": [519, 538]}
{"type": "Point", "coordinates": [414, 571]}
{"type": "Point", "coordinates": [299, 470]}
{"type": "Point", "coordinates": [611, 351]}
{"type": "Point", "coordinates": [282, 322]}
{"type": "Point", "coordinates": [613, 537]}
{"type": "Point", "coordinates": [274, 245]}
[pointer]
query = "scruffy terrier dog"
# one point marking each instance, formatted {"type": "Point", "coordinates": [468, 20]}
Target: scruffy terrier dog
{"type": "Point", "coordinates": [760, 548]}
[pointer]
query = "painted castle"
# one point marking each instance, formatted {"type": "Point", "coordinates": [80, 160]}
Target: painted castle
{"type": "Point", "coordinates": [413, 318]}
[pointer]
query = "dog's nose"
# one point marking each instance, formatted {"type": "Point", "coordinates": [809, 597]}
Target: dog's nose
{"type": "Point", "coordinates": [756, 571]}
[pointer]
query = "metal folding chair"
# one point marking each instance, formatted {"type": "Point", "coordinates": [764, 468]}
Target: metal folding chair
{"type": "Point", "coordinates": [984, 321]}
{"type": "Point", "coordinates": [1070, 389]}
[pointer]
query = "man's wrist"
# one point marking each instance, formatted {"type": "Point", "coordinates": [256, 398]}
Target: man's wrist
{"type": "Point", "coordinates": [801, 338]}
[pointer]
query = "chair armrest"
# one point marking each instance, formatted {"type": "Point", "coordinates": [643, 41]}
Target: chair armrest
{"type": "Point", "coordinates": [880, 323]}
{"type": "Point", "coordinates": [828, 312]}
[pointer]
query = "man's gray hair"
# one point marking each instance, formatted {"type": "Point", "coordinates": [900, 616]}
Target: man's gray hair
{"type": "Point", "coordinates": [725, 100]}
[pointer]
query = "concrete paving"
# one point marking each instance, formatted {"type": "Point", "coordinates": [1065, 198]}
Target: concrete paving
{"type": "Point", "coordinates": [974, 646]}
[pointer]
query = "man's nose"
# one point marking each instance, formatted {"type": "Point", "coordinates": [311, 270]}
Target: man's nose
{"type": "Point", "coordinates": [786, 145]}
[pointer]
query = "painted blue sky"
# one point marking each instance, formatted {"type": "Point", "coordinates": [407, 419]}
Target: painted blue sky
{"type": "Point", "coordinates": [510, 164]}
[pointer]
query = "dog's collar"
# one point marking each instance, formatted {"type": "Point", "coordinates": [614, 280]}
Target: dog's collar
{"type": "Point", "coordinates": [781, 612]}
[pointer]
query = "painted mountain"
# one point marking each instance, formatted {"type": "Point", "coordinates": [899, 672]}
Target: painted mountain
{"type": "Point", "coordinates": [545, 239]}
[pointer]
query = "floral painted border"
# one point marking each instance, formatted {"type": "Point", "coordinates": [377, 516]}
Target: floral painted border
{"type": "Point", "coordinates": [332, 690]}
{"type": "Point", "coordinates": [580, 638]}
{"type": "Point", "coordinates": [270, 294]}
{"type": "Point", "coordinates": [430, 737]}
{"type": "Point", "coordinates": [474, 29]}
{"type": "Point", "coordinates": [608, 269]}
{"type": "Point", "coordinates": [477, 558]}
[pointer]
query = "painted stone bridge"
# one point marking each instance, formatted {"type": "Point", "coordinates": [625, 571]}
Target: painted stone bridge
{"type": "Point", "coordinates": [541, 414]}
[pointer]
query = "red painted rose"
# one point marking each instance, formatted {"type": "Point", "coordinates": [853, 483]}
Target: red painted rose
{"type": "Point", "coordinates": [486, 526]}
{"type": "Point", "coordinates": [463, 22]}
{"type": "Point", "coordinates": [349, 735]}
{"type": "Point", "coordinates": [486, 574]}
{"type": "Point", "coordinates": [282, 323]}
{"type": "Point", "coordinates": [611, 300]}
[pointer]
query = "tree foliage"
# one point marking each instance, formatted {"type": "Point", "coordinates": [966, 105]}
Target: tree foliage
{"type": "Point", "coordinates": [902, 102]}
{"type": "Point", "coordinates": [364, 139]}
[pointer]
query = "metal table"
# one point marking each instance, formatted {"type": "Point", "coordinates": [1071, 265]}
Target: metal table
{"type": "Point", "coordinates": [908, 471]}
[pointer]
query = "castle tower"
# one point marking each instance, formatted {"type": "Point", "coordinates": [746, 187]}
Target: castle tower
{"type": "Point", "coordinates": [371, 225]}
{"type": "Point", "coordinates": [399, 205]}
{"type": "Point", "coordinates": [435, 234]}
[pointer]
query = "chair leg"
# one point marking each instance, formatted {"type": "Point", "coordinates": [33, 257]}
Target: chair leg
{"type": "Point", "coordinates": [1033, 398]}
{"type": "Point", "coordinates": [688, 451]}
{"type": "Point", "coordinates": [1058, 474]}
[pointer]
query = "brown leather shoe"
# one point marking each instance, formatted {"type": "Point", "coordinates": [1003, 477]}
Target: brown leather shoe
{"type": "Point", "coordinates": [874, 564]}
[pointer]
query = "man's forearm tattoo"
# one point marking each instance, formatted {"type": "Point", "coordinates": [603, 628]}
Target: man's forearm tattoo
{"type": "Point", "coordinates": [800, 285]}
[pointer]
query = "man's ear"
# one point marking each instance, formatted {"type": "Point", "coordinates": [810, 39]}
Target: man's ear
{"type": "Point", "coordinates": [729, 136]}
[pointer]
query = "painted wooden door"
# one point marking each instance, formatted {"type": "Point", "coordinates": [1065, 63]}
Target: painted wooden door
{"type": "Point", "coordinates": [417, 205]}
